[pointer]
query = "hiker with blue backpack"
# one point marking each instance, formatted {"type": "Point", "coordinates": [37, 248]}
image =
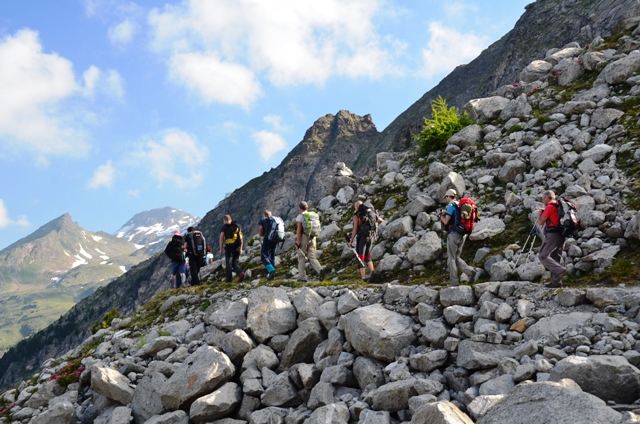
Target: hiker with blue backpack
{"type": "Point", "coordinates": [271, 229]}
{"type": "Point", "coordinates": [308, 228]}
{"type": "Point", "coordinates": [459, 219]}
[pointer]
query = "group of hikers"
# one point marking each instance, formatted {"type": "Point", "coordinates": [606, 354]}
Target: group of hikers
{"type": "Point", "coordinates": [458, 219]}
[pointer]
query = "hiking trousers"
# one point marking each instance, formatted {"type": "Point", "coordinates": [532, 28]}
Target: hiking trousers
{"type": "Point", "coordinates": [308, 248]}
{"type": "Point", "coordinates": [268, 252]}
{"type": "Point", "coordinates": [363, 249]}
{"type": "Point", "coordinates": [455, 242]}
{"type": "Point", "coordinates": [551, 254]}
{"type": "Point", "coordinates": [194, 269]}
{"type": "Point", "coordinates": [231, 257]}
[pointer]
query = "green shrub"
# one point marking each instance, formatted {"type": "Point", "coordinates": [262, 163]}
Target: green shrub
{"type": "Point", "coordinates": [445, 121]}
{"type": "Point", "coordinates": [106, 321]}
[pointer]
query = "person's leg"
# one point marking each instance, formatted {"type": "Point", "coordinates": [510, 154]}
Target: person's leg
{"type": "Point", "coordinates": [175, 275]}
{"type": "Point", "coordinates": [272, 253]}
{"type": "Point", "coordinates": [302, 272]}
{"type": "Point", "coordinates": [264, 255]}
{"type": "Point", "coordinates": [552, 243]}
{"type": "Point", "coordinates": [361, 243]}
{"type": "Point", "coordinates": [235, 264]}
{"type": "Point", "coordinates": [460, 264]}
{"type": "Point", "coordinates": [194, 268]}
{"type": "Point", "coordinates": [228, 259]}
{"type": "Point", "coordinates": [452, 247]}
{"type": "Point", "coordinates": [311, 254]}
{"type": "Point", "coordinates": [367, 256]}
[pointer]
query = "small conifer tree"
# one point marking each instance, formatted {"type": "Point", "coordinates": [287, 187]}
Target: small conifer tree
{"type": "Point", "coordinates": [444, 122]}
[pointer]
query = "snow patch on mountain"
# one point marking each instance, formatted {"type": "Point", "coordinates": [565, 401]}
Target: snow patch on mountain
{"type": "Point", "coordinates": [84, 253]}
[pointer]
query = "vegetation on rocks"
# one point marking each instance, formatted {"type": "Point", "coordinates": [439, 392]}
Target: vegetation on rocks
{"type": "Point", "coordinates": [444, 122]}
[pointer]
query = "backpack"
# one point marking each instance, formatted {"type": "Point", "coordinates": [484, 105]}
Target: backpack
{"type": "Point", "coordinates": [233, 236]}
{"type": "Point", "coordinates": [312, 226]}
{"type": "Point", "coordinates": [276, 234]}
{"type": "Point", "coordinates": [197, 246]}
{"type": "Point", "coordinates": [567, 215]}
{"type": "Point", "coordinates": [467, 217]}
{"type": "Point", "coordinates": [368, 221]}
{"type": "Point", "coordinates": [174, 249]}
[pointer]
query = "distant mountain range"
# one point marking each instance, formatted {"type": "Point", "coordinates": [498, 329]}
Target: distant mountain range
{"type": "Point", "coordinates": [47, 272]}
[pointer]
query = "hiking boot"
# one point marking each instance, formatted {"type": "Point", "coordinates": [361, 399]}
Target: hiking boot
{"type": "Point", "coordinates": [472, 277]}
{"type": "Point", "coordinates": [553, 285]}
{"type": "Point", "coordinates": [561, 275]}
{"type": "Point", "coordinates": [321, 273]}
{"type": "Point", "coordinates": [241, 277]}
{"type": "Point", "coordinates": [302, 280]}
{"type": "Point", "coordinates": [454, 284]}
{"type": "Point", "coordinates": [271, 275]}
{"type": "Point", "coordinates": [373, 277]}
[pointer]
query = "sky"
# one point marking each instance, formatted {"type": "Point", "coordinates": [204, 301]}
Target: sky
{"type": "Point", "coordinates": [112, 107]}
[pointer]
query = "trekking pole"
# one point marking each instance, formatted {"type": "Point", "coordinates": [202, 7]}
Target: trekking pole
{"type": "Point", "coordinates": [533, 232]}
{"type": "Point", "coordinates": [348, 240]}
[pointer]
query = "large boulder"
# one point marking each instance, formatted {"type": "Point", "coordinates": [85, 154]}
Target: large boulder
{"type": "Point", "coordinates": [230, 315]}
{"type": "Point", "coordinates": [597, 153]}
{"type": "Point", "coordinates": [427, 249]}
{"type": "Point", "coordinates": [328, 232]}
{"type": "Point", "coordinates": [442, 412]}
{"type": "Point", "coordinates": [478, 355]}
{"type": "Point", "coordinates": [617, 72]}
{"type": "Point", "coordinates": [420, 204]}
{"type": "Point", "coordinates": [511, 169]}
{"type": "Point", "coordinates": [336, 413]}
{"type": "Point", "coordinates": [393, 396]}
{"type": "Point", "coordinates": [303, 342]}
{"type": "Point", "coordinates": [378, 332]}
{"type": "Point", "coordinates": [270, 313]}
{"type": "Point", "coordinates": [603, 118]}
{"type": "Point", "coordinates": [60, 413]}
{"type": "Point", "coordinates": [202, 372]}
{"type": "Point", "coordinates": [487, 228]}
{"type": "Point", "coordinates": [452, 180]}
{"type": "Point", "coordinates": [111, 384]}
{"type": "Point", "coordinates": [468, 136]}
{"type": "Point", "coordinates": [217, 404]}
{"type": "Point", "coordinates": [517, 108]}
{"type": "Point", "coordinates": [398, 228]}
{"type": "Point", "coordinates": [306, 302]}
{"type": "Point", "coordinates": [345, 195]}
{"type": "Point", "coordinates": [556, 323]}
{"type": "Point", "coordinates": [537, 70]}
{"type": "Point", "coordinates": [486, 109]}
{"type": "Point", "coordinates": [607, 377]}
{"type": "Point", "coordinates": [546, 153]}
{"type": "Point", "coordinates": [550, 403]}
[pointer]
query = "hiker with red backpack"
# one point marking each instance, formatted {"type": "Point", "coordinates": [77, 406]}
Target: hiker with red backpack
{"type": "Point", "coordinates": [551, 248]}
{"type": "Point", "coordinates": [459, 219]}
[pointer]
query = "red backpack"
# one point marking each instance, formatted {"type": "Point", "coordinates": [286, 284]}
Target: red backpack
{"type": "Point", "coordinates": [467, 216]}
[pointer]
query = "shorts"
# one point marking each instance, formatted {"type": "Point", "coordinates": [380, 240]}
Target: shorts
{"type": "Point", "coordinates": [178, 268]}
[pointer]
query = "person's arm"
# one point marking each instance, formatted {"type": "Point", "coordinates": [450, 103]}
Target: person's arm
{"type": "Point", "coordinates": [221, 242]}
{"type": "Point", "coordinates": [356, 225]}
{"type": "Point", "coordinates": [543, 217]}
{"type": "Point", "coordinates": [260, 231]}
{"type": "Point", "coordinates": [298, 234]}
{"type": "Point", "coordinates": [241, 244]}
{"type": "Point", "coordinates": [445, 219]}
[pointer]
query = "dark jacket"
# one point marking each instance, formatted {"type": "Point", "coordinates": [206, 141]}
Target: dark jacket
{"type": "Point", "coordinates": [175, 249]}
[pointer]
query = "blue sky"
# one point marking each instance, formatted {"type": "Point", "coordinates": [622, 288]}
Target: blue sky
{"type": "Point", "coordinates": [110, 107]}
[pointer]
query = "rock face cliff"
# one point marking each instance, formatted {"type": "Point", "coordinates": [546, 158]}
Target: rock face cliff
{"type": "Point", "coordinates": [302, 175]}
{"type": "Point", "coordinates": [545, 24]}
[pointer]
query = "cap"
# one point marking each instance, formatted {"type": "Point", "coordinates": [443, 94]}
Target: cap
{"type": "Point", "coordinates": [176, 233]}
{"type": "Point", "coordinates": [451, 192]}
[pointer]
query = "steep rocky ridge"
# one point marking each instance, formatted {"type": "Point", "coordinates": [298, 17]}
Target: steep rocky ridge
{"type": "Point", "coordinates": [302, 175]}
{"type": "Point", "coordinates": [544, 25]}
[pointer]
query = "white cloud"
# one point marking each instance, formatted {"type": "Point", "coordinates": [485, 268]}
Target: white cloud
{"type": "Point", "coordinates": [457, 10]}
{"type": "Point", "coordinates": [33, 85]}
{"type": "Point", "coordinates": [269, 143]}
{"type": "Point", "coordinates": [108, 83]}
{"type": "Point", "coordinates": [222, 82]}
{"type": "Point", "coordinates": [276, 123]}
{"type": "Point", "coordinates": [103, 176]}
{"type": "Point", "coordinates": [449, 48]}
{"type": "Point", "coordinates": [5, 221]}
{"type": "Point", "coordinates": [287, 41]}
{"type": "Point", "coordinates": [134, 193]}
{"type": "Point", "coordinates": [122, 33]}
{"type": "Point", "coordinates": [173, 157]}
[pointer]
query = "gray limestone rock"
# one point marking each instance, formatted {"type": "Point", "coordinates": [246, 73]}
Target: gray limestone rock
{"type": "Point", "coordinates": [427, 249]}
{"type": "Point", "coordinates": [336, 413]}
{"type": "Point", "coordinates": [550, 403]}
{"type": "Point", "coordinates": [389, 263]}
{"type": "Point", "coordinates": [546, 153]}
{"type": "Point", "coordinates": [442, 412]}
{"type": "Point", "coordinates": [511, 169]}
{"type": "Point", "coordinates": [281, 392]}
{"type": "Point", "coordinates": [270, 313]}
{"type": "Point", "coordinates": [516, 108]}
{"type": "Point", "coordinates": [486, 109]}
{"type": "Point", "coordinates": [237, 344]}
{"type": "Point", "coordinates": [306, 302]}
{"type": "Point", "coordinates": [571, 297]}
{"type": "Point", "coordinates": [460, 295]}
{"type": "Point", "coordinates": [201, 373]}
{"type": "Point", "coordinates": [556, 323]}
{"type": "Point", "coordinates": [348, 302]}
{"type": "Point", "coordinates": [230, 315]}
{"type": "Point", "coordinates": [217, 404]}
{"type": "Point", "coordinates": [328, 314]}
{"type": "Point", "coordinates": [392, 397]}
{"type": "Point", "coordinates": [377, 332]}
{"type": "Point", "coordinates": [398, 228]}
{"type": "Point", "coordinates": [537, 70]}
{"type": "Point", "coordinates": [428, 361]}
{"type": "Point", "coordinates": [481, 405]}
{"type": "Point", "coordinates": [468, 136]}
{"type": "Point", "coordinates": [321, 394]}
{"type": "Point", "coordinates": [487, 228]}
{"type": "Point", "coordinates": [303, 343]}
{"type": "Point", "coordinates": [262, 356]}
{"type": "Point", "coordinates": [421, 203]}
{"type": "Point", "coordinates": [498, 386]}
{"type": "Point", "coordinates": [617, 72]}
{"type": "Point", "coordinates": [175, 417]}
{"type": "Point", "coordinates": [603, 118]}
{"type": "Point", "coordinates": [607, 377]}
{"type": "Point", "coordinates": [597, 153]}
{"type": "Point", "coordinates": [60, 413]}
{"type": "Point", "coordinates": [453, 180]}
{"type": "Point", "coordinates": [456, 314]}
{"type": "Point", "coordinates": [477, 355]}
{"type": "Point", "coordinates": [111, 384]}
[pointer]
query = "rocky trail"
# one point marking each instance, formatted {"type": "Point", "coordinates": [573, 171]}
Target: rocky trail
{"type": "Point", "coordinates": [503, 350]}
